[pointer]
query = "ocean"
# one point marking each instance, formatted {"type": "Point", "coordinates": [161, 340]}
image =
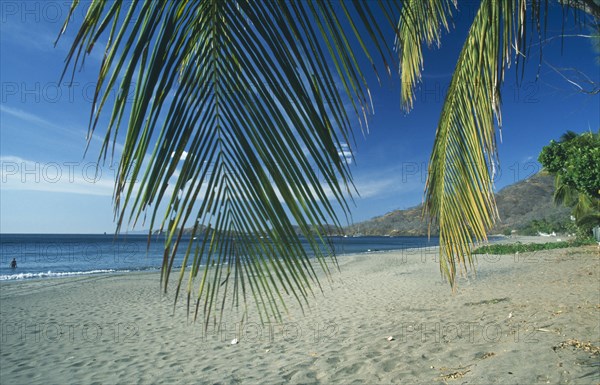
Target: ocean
{"type": "Point", "coordinates": [42, 256]}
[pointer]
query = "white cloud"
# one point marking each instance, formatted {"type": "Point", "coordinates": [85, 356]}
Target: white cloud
{"type": "Point", "coordinates": [26, 116]}
{"type": "Point", "coordinates": [39, 121]}
{"type": "Point", "coordinates": [345, 152]}
{"type": "Point", "coordinates": [36, 120]}
{"type": "Point", "coordinates": [184, 155]}
{"type": "Point", "coordinates": [391, 181]}
{"type": "Point", "coordinates": [86, 178]}
{"type": "Point", "coordinates": [28, 34]}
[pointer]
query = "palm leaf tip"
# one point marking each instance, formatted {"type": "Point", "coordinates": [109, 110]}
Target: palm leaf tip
{"type": "Point", "coordinates": [459, 189]}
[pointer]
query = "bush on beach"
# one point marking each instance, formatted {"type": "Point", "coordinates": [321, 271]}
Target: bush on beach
{"type": "Point", "coordinates": [529, 247]}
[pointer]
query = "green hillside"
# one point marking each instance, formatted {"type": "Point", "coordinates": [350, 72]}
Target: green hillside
{"type": "Point", "coordinates": [525, 206]}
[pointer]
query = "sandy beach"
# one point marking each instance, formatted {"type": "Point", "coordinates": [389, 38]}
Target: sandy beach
{"type": "Point", "coordinates": [532, 318]}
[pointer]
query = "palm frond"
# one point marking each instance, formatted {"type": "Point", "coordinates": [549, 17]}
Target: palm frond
{"type": "Point", "coordinates": [459, 187]}
{"type": "Point", "coordinates": [235, 127]}
{"type": "Point", "coordinates": [459, 194]}
{"type": "Point", "coordinates": [420, 22]}
{"type": "Point", "coordinates": [564, 194]}
{"type": "Point", "coordinates": [568, 135]}
{"type": "Point", "coordinates": [586, 209]}
{"type": "Point", "coordinates": [589, 220]}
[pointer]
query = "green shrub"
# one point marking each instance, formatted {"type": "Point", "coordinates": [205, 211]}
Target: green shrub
{"type": "Point", "coordinates": [523, 248]}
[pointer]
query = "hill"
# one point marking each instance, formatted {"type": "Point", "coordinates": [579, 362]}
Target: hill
{"type": "Point", "coordinates": [525, 206]}
{"type": "Point", "coordinates": [527, 202]}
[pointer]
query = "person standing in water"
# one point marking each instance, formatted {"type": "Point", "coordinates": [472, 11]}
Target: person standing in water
{"type": "Point", "coordinates": [13, 264]}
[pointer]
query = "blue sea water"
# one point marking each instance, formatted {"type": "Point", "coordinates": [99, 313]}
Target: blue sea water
{"type": "Point", "coordinates": [60, 255]}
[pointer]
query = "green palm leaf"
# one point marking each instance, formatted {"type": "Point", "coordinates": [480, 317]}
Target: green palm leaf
{"type": "Point", "coordinates": [459, 191]}
{"type": "Point", "coordinates": [256, 110]}
{"type": "Point", "coordinates": [420, 22]}
{"type": "Point", "coordinates": [459, 194]}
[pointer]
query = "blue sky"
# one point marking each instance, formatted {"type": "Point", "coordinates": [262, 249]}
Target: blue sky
{"type": "Point", "coordinates": [50, 186]}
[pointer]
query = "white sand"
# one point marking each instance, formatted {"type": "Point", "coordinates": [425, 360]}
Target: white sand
{"type": "Point", "coordinates": [506, 326]}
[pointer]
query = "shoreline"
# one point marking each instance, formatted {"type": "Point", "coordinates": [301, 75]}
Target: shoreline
{"type": "Point", "coordinates": [518, 321]}
{"type": "Point", "coordinates": [49, 274]}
